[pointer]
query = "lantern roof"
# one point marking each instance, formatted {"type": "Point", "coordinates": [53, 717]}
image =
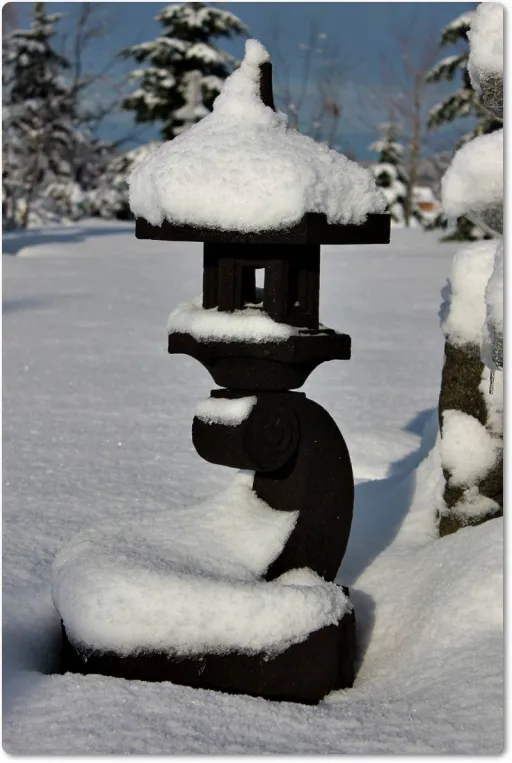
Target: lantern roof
{"type": "Point", "coordinates": [243, 171]}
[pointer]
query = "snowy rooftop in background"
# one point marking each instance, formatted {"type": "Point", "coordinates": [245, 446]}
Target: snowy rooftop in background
{"type": "Point", "coordinates": [486, 42]}
{"type": "Point", "coordinates": [242, 168]}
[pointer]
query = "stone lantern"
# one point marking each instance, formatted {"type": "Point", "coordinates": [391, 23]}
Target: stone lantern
{"type": "Point", "coordinates": [298, 457]}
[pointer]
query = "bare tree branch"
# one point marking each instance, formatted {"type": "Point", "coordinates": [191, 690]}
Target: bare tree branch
{"type": "Point", "coordinates": [313, 99]}
{"type": "Point", "coordinates": [403, 93]}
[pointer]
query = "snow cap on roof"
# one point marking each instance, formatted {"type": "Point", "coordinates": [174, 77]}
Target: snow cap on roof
{"type": "Point", "coordinates": [242, 168]}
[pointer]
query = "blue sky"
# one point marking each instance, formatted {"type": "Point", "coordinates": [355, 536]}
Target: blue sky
{"type": "Point", "coordinates": [363, 34]}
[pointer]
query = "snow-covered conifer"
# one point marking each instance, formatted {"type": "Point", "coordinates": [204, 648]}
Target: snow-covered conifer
{"type": "Point", "coordinates": [38, 119]}
{"type": "Point", "coordinates": [463, 102]}
{"type": "Point", "coordinates": [108, 197]}
{"type": "Point", "coordinates": [390, 174]}
{"type": "Point", "coordinates": [183, 68]}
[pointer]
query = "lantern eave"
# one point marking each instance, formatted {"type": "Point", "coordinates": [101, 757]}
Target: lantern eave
{"type": "Point", "coordinates": [313, 228]}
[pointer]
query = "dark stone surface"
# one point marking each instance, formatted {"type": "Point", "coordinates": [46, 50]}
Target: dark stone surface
{"type": "Point", "coordinates": [292, 280]}
{"type": "Point", "coordinates": [264, 442]}
{"type": "Point", "coordinates": [266, 89]}
{"type": "Point", "coordinates": [264, 365]}
{"type": "Point", "coordinates": [461, 378]}
{"type": "Point", "coordinates": [312, 229]}
{"type": "Point", "coordinates": [451, 522]}
{"type": "Point", "coordinates": [301, 463]}
{"type": "Point", "coordinates": [304, 673]}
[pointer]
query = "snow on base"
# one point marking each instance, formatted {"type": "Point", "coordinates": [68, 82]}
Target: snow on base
{"type": "Point", "coordinates": [474, 179]}
{"type": "Point", "coordinates": [188, 581]}
{"type": "Point", "coordinates": [468, 450]}
{"type": "Point", "coordinates": [250, 324]}
{"type": "Point", "coordinates": [463, 311]}
{"type": "Point", "coordinates": [217, 410]}
{"type": "Point", "coordinates": [242, 168]}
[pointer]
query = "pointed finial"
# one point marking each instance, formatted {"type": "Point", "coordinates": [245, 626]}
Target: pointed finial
{"type": "Point", "coordinates": [266, 93]}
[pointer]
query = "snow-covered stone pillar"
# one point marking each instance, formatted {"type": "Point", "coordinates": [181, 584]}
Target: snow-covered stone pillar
{"type": "Point", "coordinates": [471, 399]}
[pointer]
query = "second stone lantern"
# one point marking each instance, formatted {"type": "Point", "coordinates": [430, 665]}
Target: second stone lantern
{"type": "Point", "coordinates": [259, 343]}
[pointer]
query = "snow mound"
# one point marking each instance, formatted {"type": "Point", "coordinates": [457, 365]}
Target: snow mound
{"type": "Point", "coordinates": [439, 600]}
{"type": "Point", "coordinates": [486, 43]}
{"type": "Point", "coordinates": [474, 180]}
{"type": "Point", "coordinates": [468, 449]}
{"type": "Point", "coordinates": [188, 581]}
{"type": "Point", "coordinates": [250, 324]}
{"type": "Point", "coordinates": [439, 612]}
{"type": "Point", "coordinates": [463, 311]}
{"type": "Point", "coordinates": [242, 168]}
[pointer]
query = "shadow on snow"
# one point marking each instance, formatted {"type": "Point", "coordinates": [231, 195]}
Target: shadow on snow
{"type": "Point", "coordinates": [380, 509]}
{"type": "Point", "coordinates": [14, 241]}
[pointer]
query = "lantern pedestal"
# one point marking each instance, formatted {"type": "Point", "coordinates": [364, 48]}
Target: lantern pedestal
{"type": "Point", "coordinates": [299, 458]}
{"type": "Point", "coordinates": [266, 365]}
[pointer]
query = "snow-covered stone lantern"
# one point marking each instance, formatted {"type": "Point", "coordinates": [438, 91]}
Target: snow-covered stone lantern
{"type": "Point", "coordinates": [238, 594]}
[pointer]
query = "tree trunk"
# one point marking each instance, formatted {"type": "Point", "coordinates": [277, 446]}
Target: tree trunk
{"type": "Point", "coordinates": [414, 151]}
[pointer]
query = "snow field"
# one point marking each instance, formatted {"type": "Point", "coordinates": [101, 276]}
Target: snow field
{"type": "Point", "coordinates": [97, 422]}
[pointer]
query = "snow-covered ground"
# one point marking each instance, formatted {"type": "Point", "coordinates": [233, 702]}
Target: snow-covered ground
{"type": "Point", "coordinates": [97, 419]}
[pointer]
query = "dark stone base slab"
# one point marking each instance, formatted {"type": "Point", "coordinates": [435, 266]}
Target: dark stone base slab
{"type": "Point", "coordinates": [304, 673]}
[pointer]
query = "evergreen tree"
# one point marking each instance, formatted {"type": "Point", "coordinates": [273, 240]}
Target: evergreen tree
{"type": "Point", "coordinates": [389, 172]}
{"type": "Point", "coordinates": [184, 70]}
{"type": "Point", "coordinates": [464, 102]}
{"type": "Point", "coordinates": [39, 137]}
{"type": "Point", "coordinates": [108, 197]}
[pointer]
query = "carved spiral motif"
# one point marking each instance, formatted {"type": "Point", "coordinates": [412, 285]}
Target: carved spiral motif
{"type": "Point", "coordinates": [271, 436]}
